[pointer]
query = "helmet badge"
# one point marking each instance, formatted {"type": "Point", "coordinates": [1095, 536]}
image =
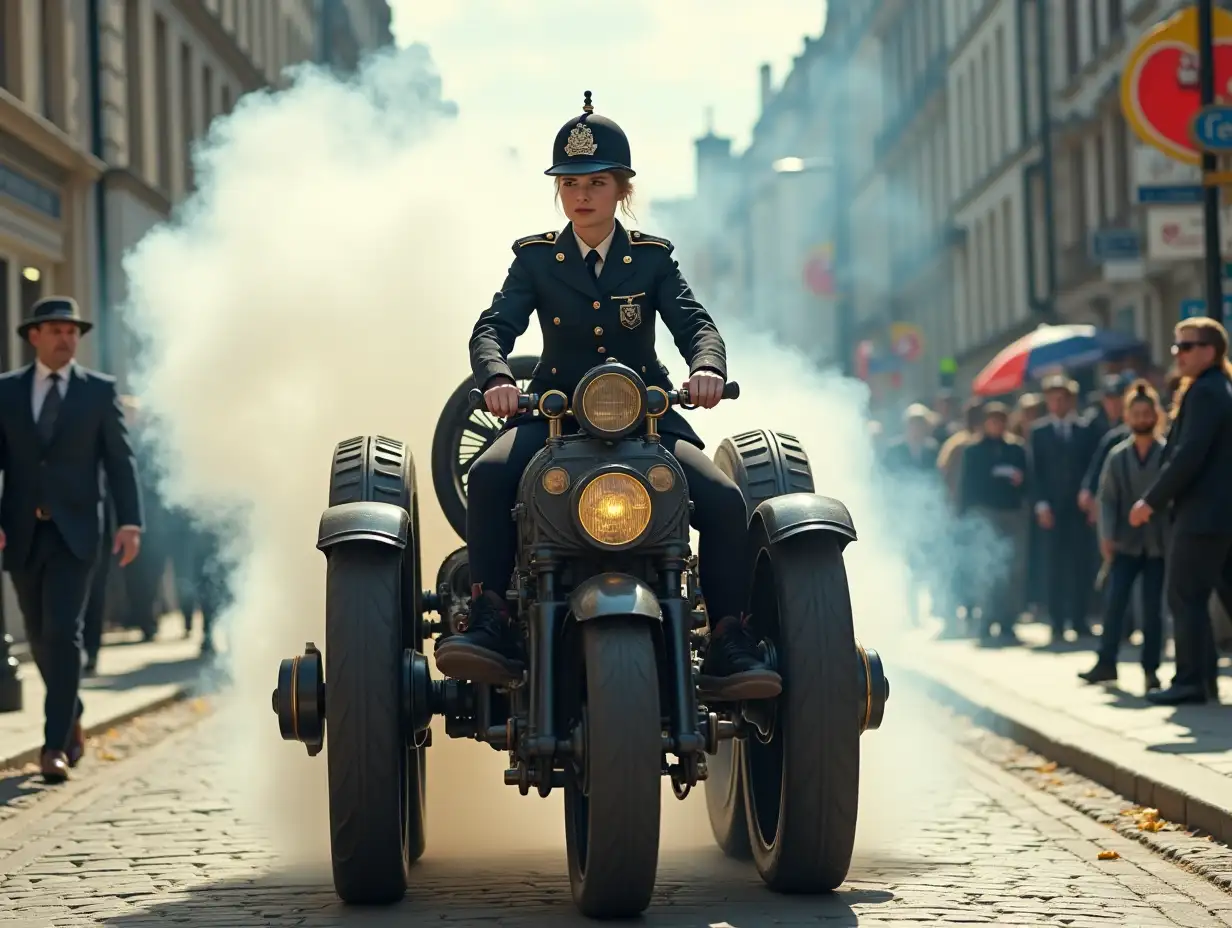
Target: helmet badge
{"type": "Point", "coordinates": [581, 139]}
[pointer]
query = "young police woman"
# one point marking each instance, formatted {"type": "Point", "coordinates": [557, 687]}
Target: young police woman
{"type": "Point", "coordinates": [597, 289]}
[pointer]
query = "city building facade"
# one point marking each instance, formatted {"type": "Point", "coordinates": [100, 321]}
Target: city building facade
{"type": "Point", "coordinates": [48, 162]}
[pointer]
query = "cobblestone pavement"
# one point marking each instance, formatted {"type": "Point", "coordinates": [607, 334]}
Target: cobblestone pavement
{"type": "Point", "coordinates": [153, 839]}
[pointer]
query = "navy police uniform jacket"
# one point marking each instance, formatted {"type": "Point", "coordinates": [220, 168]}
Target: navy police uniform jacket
{"type": "Point", "coordinates": [585, 322]}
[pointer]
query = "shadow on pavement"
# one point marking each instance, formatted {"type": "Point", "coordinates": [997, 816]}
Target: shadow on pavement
{"type": "Point", "coordinates": [700, 889]}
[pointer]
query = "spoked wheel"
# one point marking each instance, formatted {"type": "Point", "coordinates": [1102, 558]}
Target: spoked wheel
{"type": "Point", "coordinates": [462, 434]}
{"type": "Point", "coordinates": [612, 796]}
{"type": "Point", "coordinates": [801, 761]}
{"type": "Point", "coordinates": [764, 465]}
{"type": "Point", "coordinates": [374, 612]}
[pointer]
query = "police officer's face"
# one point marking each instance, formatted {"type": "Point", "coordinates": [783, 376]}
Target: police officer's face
{"type": "Point", "coordinates": [590, 200]}
{"type": "Point", "coordinates": [55, 343]}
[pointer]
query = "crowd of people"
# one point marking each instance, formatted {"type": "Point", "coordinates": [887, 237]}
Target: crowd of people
{"type": "Point", "coordinates": [1057, 513]}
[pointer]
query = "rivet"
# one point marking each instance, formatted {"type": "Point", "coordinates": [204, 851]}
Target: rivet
{"type": "Point", "coordinates": [602, 350]}
{"type": "Point", "coordinates": [560, 256]}
{"type": "Point", "coordinates": [643, 368]}
{"type": "Point", "coordinates": [637, 234]}
{"type": "Point", "coordinates": [628, 260]}
{"type": "Point", "coordinates": [553, 370]}
{"type": "Point", "coordinates": [596, 304]}
{"type": "Point", "coordinates": [556, 321]}
{"type": "Point", "coordinates": [551, 236]}
{"type": "Point", "coordinates": [598, 331]}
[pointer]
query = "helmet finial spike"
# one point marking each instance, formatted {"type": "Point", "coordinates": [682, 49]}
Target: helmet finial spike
{"type": "Point", "coordinates": [587, 106]}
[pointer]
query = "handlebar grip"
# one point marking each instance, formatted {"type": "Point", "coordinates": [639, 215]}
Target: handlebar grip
{"type": "Point", "coordinates": [731, 390]}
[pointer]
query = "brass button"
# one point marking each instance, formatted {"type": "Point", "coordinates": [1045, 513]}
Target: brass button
{"type": "Point", "coordinates": [596, 304]}
{"type": "Point", "coordinates": [556, 321]}
{"type": "Point", "coordinates": [560, 256]}
{"type": "Point", "coordinates": [628, 260]}
{"type": "Point", "coordinates": [598, 330]}
{"type": "Point", "coordinates": [553, 370]}
{"type": "Point", "coordinates": [643, 368]}
{"type": "Point", "coordinates": [602, 350]}
{"type": "Point", "coordinates": [551, 236]}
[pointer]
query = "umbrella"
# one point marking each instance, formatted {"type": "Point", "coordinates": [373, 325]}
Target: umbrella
{"type": "Point", "coordinates": [1049, 346]}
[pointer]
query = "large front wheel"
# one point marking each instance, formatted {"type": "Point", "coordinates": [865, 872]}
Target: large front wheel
{"type": "Point", "coordinates": [368, 760]}
{"type": "Point", "coordinates": [612, 798]}
{"type": "Point", "coordinates": [802, 762]}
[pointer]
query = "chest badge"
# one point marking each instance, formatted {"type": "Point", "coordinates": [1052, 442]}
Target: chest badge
{"type": "Point", "coordinates": [630, 312]}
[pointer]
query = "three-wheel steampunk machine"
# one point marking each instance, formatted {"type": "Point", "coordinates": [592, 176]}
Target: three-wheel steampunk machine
{"type": "Point", "coordinates": [606, 594]}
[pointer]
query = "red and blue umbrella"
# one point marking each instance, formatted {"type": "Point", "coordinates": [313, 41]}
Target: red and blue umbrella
{"type": "Point", "coordinates": [1049, 347]}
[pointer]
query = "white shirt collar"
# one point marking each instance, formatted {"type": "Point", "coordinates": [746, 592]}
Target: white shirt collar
{"type": "Point", "coordinates": [42, 371]}
{"type": "Point", "coordinates": [602, 247]}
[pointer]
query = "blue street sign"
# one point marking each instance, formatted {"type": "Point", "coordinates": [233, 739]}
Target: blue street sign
{"type": "Point", "coordinates": [1212, 128]}
{"type": "Point", "coordinates": [1191, 308]}
{"type": "Point", "coordinates": [1170, 195]}
{"type": "Point", "coordinates": [1115, 245]}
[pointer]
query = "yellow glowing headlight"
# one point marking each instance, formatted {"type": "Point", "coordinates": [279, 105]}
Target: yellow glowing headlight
{"type": "Point", "coordinates": [614, 509]}
{"type": "Point", "coordinates": [611, 403]}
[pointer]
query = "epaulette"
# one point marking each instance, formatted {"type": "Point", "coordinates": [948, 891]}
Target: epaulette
{"type": "Point", "coordinates": [643, 238]}
{"type": "Point", "coordinates": [541, 238]}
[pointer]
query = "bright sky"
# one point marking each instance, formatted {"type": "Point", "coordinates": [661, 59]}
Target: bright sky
{"type": "Point", "coordinates": [653, 65]}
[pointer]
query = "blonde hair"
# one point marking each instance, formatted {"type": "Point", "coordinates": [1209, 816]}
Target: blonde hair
{"type": "Point", "coordinates": [624, 192]}
{"type": "Point", "coordinates": [1214, 334]}
{"type": "Point", "coordinates": [1141, 391]}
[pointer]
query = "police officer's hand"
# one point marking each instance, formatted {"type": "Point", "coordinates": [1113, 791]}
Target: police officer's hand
{"type": "Point", "coordinates": [705, 389]}
{"type": "Point", "coordinates": [502, 398]}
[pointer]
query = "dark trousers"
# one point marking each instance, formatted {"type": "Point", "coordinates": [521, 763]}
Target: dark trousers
{"type": "Point", "coordinates": [1125, 569]}
{"type": "Point", "coordinates": [52, 588]}
{"type": "Point", "coordinates": [718, 515]}
{"type": "Point", "coordinates": [1069, 548]}
{"type": "Point", "coordinates": [199, 583]}
{"type": "Point", "coordinates": [1198, 563]}
{"type": "Point", "coordinates": [96, 606]}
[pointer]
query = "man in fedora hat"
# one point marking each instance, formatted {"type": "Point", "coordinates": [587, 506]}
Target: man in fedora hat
{"type": "Point", "coordinates": [1062, 444]}
{"type": "Point", "coordinates": [59, 425]}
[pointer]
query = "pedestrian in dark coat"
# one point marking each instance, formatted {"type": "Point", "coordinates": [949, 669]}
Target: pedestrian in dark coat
{"type": "Point", "coordinates": [1061, 448]}
{"type": "Point", "coordinates": [1194, 486]}
{"type": "Point", "coordinates": [59, 424]}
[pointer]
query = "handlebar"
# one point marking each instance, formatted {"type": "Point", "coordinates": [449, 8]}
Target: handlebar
{"type": "Point", "coordinates": [529, 401]}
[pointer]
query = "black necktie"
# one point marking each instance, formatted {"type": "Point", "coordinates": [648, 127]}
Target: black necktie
{"type": "Point", "coordinates": [592, 262]}
{"type": "Point", "coordinates": [51, 409]}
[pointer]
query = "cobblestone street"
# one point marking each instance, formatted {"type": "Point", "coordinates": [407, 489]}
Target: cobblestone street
{"type": "Point", "coordinates": [154, 839]}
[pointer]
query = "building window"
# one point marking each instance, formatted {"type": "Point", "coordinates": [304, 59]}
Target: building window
{"type": "Point", "coordinates": [1101, 194]}
{"type": "Point", "coordinates": [990, 114]}
{"type": "Point", "coordinates": [1078, 195]}
{"type": "Point", "coordinates": [51, 63]}
{"type": "Point", "coordinates": [996, 311]}
{"type": "Point", "coordinates": [133, 74]}
{"type": "Point", "coordinates": [973, 111]}
{"type": "Point", "coordinates": [162, 102]}
{"type": "Point", "coordinates": [1120, 156]}
{"type": "Point", "coordinates": [1116, 18]}
{"type": "Point", "coordinates": [30, 291]}
{"type": "Point", "coordinates": [207, 99]}
{"type": "Point", "coordinates": [961, 86]}
{"type": "Point", "coordinates": [226, 99]}
{"type": "Point", "coordinates": [1003, 110]}
{"type": "Point", "coordinates": [186, 111]}
{"type": "Point", "coordinates": [1011, 256]}
{"type": "Point", "coordinates": [8, 50]}
{"type": "Point", "coordinates": [1073, 55]}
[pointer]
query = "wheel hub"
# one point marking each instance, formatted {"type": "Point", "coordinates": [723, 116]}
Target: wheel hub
{"type": "Point", "coordinates": [875, 688]}
{"type": "Point", "coordinates": [421, 695]}
{"type": "Point", "coordinates": [299, 699]}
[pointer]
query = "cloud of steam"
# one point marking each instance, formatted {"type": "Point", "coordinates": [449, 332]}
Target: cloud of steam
{"type": "Point", "coordinates": [322, 284]}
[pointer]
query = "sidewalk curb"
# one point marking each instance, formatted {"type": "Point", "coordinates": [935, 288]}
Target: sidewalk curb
{"type": "Point", "coordinates": [1208, 813]}
{"type": "Point", "coordinates": [182, 691]}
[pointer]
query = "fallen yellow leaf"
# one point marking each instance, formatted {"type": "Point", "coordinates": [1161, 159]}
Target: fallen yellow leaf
{"type": "Point", "coordinates": [1047, 768]}
{"type": "Point", "coordinates": [104, 754]}
{"type": "Point", "coordinates": [1150, 815]}
{"type": "Point", "coordinates": [200, 705]}
{"type": "Point", "coordinates": [1108, 855]}
{"type": "Point", "coordinates": [1152, 825]}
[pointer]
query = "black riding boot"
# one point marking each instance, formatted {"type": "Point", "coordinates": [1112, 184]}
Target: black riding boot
{"type": "Point", "coordinates": [489, 651]}
{"type": "Point", "coordinates": [734, 668]}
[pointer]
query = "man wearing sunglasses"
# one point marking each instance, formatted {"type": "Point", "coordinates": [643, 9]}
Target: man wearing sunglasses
{"type": "Point", "coordinates": [1195, 482]}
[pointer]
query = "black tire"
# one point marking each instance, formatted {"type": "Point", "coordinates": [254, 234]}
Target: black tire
{"type": "Point", "coordinates": [374, 468]}
{"type": "Point", "coordinates": [803, 785]}
{"type": "Point", "coordinates": [366, 750]}
{"type": "Point", "coordinates": [612, 828]}
{"type": "Point", "coordinates": [462, 434]}
{"type": "Point", "coordinates": [764, 465]}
